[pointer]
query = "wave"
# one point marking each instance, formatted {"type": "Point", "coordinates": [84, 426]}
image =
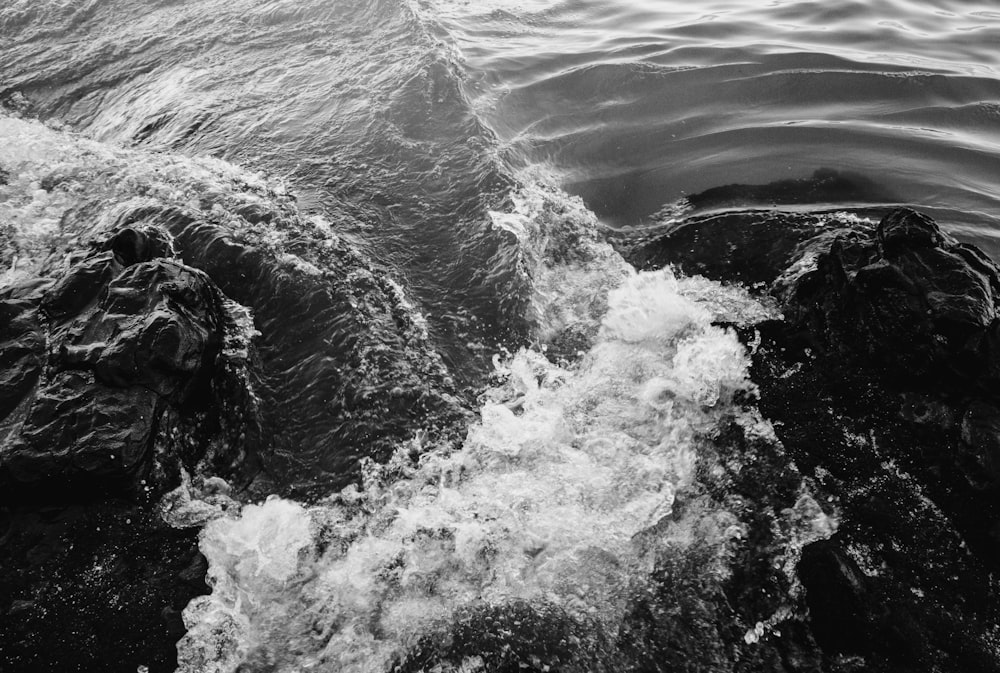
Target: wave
{"type": "Point", "coordinates": [594, 503]}
{"type": "Point", "coordinates": [359, 105]}
{"type": "Point", "coordinates": [584, 472]}
{"type": "Point", "coordinates": [344, 363]}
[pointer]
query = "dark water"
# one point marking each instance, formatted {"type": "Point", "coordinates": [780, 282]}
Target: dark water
{"type": "Point", "coordinates": [411, 120]}
{"type": "Point", "coordinates": [432, 133]}
{"type": "Point", "coordinates": [636, 104]}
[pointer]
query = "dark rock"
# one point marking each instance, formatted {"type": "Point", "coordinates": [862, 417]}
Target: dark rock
{"type": "Point", "coordinates": [115, 374]}
{"type": "Point", "coordinates": [4, 176]}
{"type": "Point", "coordinates": [77, 430]}
{"type": "Point", "coordinates": [837, 596]}
{"type": "Point", "coordinates": [22, 344]}
{"type": "Point", "coordinates": [132, 245]}
{"type": "Point", "coordinates": [903, 230]}
{"type": "Point", "coordinates": [80, 287]}
{"type": "Point", "coordinates": [749, 247]}
{"type": "Point", "coordinates": [881, 383]}
{"type": "Point", "coordinates": [981, 434]}
{"type": "Point", "coordinates": [98, 587]}
{"type": "Point", "coordinates": [120, 345]}
{"type": "Point", "coordinates": [825, 185]}
{"type": "Point", "coordinates": [345, 371]}
{"type": "Point", "coordinates": [157, 325]}
{"type": "Point", "coordinates": [910, 299]}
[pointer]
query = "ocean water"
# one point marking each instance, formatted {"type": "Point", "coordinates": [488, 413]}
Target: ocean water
{"type": "Point", "coordinates": [482, 154]}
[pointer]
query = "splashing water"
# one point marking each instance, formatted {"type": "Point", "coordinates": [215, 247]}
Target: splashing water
{"type": "Point", "coordinates": [53, 174]}
{"type": "Point", "coordinates": [562, 499]}
{"type": "Point", "coordinates": [545, 503]}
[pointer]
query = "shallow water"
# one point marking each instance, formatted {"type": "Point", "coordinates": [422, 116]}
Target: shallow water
{"type": "Point", "coordinates": [480, 153]}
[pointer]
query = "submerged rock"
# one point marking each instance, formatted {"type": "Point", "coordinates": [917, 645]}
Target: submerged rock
{"type": "Point", "coordinates": [881, 385]}
{"type": "Point", "coordinates": [825, 185]}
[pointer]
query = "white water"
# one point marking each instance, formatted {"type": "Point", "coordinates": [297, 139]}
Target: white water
{"type": "Point", "coordinates": [561, 495]}
{"type": "Point", "coordinates": [564, 494]}
{"type": "Point", "coordinates": [90, 177]}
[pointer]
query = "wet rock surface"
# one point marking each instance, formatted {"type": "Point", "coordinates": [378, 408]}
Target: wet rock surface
{"type": "Point", "coordinates": [346, 370]}
{"type": "Point", "coordinates": [123, 359]}
{"type": "Point", "coordinates": [97, 587]}
{"type": "Point", "coordinates": [96, 357]}
{"type": "Point", "coordinates": [343, 370]}
{"type": "Point", "coordinates": [112, 371]}
{"type": "Point", "coordinates": [749, 248]}
{"type": "Point", "coordinates": [126, 364]}
{"type": "Point", "coordinates": [880, 383]}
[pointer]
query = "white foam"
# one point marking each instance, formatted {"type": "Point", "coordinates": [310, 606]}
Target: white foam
{"type": "Point", "coordinates": [569, 266]}
{"type": "Point", "coordinates": [547, 501]}
{"type": "Point", "coordinates": [63, 186]}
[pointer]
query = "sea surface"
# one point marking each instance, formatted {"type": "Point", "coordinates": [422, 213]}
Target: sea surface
{"type": "Point", "coordinates": [457, 143]}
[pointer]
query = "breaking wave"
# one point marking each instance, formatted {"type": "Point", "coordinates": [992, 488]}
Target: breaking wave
{"type": "Point", "coordinates": [584, 471]}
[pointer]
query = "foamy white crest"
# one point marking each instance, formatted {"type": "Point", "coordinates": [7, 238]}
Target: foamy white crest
{"type": "Point", "coordinates": [543, 503]}
{"type": "Point", "coordinates": [51, 173]}
{"type": "Point", "coordinates": [571, 268]}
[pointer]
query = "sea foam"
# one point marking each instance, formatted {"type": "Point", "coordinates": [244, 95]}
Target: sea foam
{"type": "Point", "coordinates": [563, 494]}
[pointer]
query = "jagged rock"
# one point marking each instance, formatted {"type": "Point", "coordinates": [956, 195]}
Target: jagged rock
{"type": "Point", "coordinates": [113, 375]}
{"type": "Point", "coordinates": [905, 297]}
{"type": "Point", "coordinates": [345, 372]}
{"type": "Point", "coordinates": [22, 343]}
{"type": "Point", "coordinates": [95, 362]}
{"type": "Point", "coordinates": [881, 384]}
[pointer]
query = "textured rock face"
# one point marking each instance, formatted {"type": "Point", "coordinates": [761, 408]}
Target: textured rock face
{"type": "Point", "coordinates": [112, 377]}
{"type": "Point", "coordinates": [908, 298]}
{"type": "Point", "coordinates": [881, 384]}
{"type": "Point", "coordinates": [95, 359]}
{"type": "Point", "coordinates": [345, 370]}
{"type": "Point", "coordinates": [124, 357]}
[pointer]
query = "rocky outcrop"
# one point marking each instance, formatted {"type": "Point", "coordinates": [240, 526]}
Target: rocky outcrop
{"type": "Point", "coordinates": [881, 385]}
{"type": "Point", "coordinates": [344, 368]}
{"type": "Point", "coordinates": [748, 247]}
{"type": "Point", "coordinates": [126, 364]}
{"type": "Point", "coordinates": [112, 382]}
{"type": "Point", "coordinates": [94, 358]}
{"type": "Point", "coordinates": [908, 299]}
